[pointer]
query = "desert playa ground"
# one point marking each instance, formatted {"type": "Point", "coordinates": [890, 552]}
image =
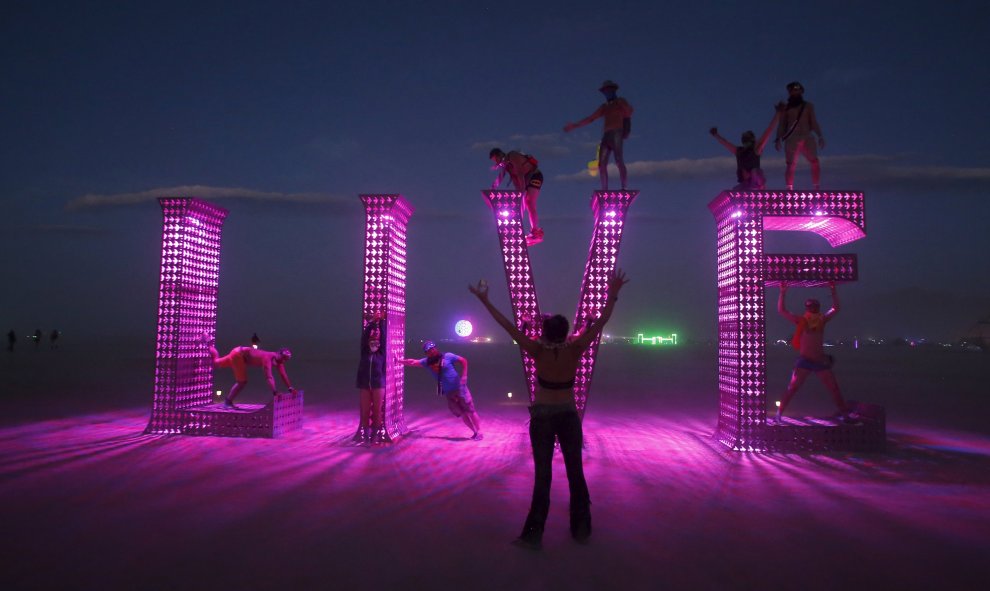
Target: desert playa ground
{"type": "Point", "coordinates": [89, 501]}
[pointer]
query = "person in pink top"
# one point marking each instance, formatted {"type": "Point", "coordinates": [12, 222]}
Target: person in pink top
{"type": "Point", "coordinates": [617, 113]}
{"type": "Point", "coordinates": [240, 358]}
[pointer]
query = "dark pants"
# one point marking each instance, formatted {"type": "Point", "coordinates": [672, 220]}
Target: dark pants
{"type": "Point", "coordinates": [546, 423]}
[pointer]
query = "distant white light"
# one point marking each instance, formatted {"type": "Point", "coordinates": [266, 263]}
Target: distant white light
{"type": "Point", "coordinates": [510, 394]}
{"type": "Point", "coordinates": [777, 403]}
{"type": "Point", "coordinates": [463, 328]}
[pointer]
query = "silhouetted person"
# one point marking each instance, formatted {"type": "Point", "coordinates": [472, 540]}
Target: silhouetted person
{"type": "Point", "coordinates": [797, 124]}
{"type": "Point", "coordinates": [526, 177]}
{"type": "Point", "coordinates": [553, 414]}
{"type": "Point", "coordinates": [255, 340]}
{"type": "Point", "coordinates": [53, 337]}
{"type": "Point", "coordinates": [371, 380]}
{"type": "Point", "coordinates": [11, 339]}
{"type": "Point", "coordinates": [809, 340]}
{"type": "Point", "coordinates": [240, 358]}
{"type": "Point", "coordinates": [450, 385]}
{"type": "Point", "coordinates": [37, 338]}
{"type": "Point", "coordinates": [617, 113]}
{"type": "Point", "coordinates": [749, 174]}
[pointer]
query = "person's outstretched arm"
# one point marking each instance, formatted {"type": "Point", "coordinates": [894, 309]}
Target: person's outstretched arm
{"type": "Point", "coordinates": [615, 282]}
{"type": "Point", "coordinates": [835, 302]}
{"type": "Point", "coordinates": [481, 291]}
{"type": "Point", "coordinates": [409, 361]}
{"type": "Point", "coordinates": [728, 145]}
{"type": "Point", "coordinates": [781, 108]}
{"type": "Point", "coordinates": [766, 134]}
{"type": "Point", "coordinates": [598, 113]}
{"type": "Point", "coordinates": [270, 377]}
{"type": "Point", "coordinates": [284, 376]}
{"type": "Point", "coordinates": [782, 306]}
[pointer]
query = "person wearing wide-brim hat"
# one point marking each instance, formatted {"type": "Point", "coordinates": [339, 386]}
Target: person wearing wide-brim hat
{"type": "Point", "coordinates": [797, 131]}
{"type": "Point", "coordinates": [617, 114]}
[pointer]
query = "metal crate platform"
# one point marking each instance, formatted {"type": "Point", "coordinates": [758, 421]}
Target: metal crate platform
{"type": "Point", "coordinates": [280, 416]}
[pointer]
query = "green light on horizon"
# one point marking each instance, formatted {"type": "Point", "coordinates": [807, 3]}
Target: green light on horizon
{"type": "Point", "coordinates": [641, 339]}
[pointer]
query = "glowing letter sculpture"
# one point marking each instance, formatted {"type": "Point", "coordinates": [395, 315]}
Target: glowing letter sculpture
{"type": "Point", "coordinates": [609, 208]}
{"type": "Point", "coordinates": [187, 310]}
{"type": "Point", "coordinates": [744, 271]}
{"type": "Point", "coordinates": [386, 219]}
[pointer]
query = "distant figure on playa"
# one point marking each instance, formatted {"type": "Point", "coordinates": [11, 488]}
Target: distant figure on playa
{"type": "Point", "coordinates": [53, 337]}
{"type": "Point", "coordinates": [749, 175]}
{"type": "Point", "coordinates": [37, 338]}
{"type": "Point", "coordinates": [450, 384]}
{"type": "Point", "coordinates": [809, 340]}
{"type": "Point", "coordinates": [255, 340]}
{"type": "Point", "coordinates": [240, 358]}
{"type": "Point", "coordinates": [371, 380]}
{"type": "Point", "coordinates": [526, 176]}
{"type": "Point", "coordinates": [797, 124]}
{"type": "Point", "coordinates": [553, 414]}
{"type": "Point", "coordinates": [11, 339]}
{"type": "Point", "coordinates": [618, 124]}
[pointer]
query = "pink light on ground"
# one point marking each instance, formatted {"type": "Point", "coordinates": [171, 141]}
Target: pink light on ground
{"type": "Point", "coordinates": [744, 270]}
{"type": "Point", "coordinates": [89, 499]}
{"type": "Point", "coordinates": [609, 209]}
{"type": "Point", "coordinates": [386, 220]}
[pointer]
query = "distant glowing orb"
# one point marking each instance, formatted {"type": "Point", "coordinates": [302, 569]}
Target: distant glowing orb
{"type": "Point", "coordinates": [463, 328]}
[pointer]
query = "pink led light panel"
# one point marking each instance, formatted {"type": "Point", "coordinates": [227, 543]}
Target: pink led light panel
{"type": "Point", "coordinates": [609, 208]}
{"type": "Point", "coordinates": [386, 222]}
{"type": "Point", "coordinates": [187, 309]}
{"type": "Point", "coordinates": [744, 270]}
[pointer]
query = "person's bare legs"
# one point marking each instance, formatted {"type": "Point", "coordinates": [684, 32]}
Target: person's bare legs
{"type": "Point", "coordinates": [620, 163]}
{"type": "Point", "coordinates": [797, 378]}
{"type": "Point", "coordinates": [828, 378]}
{"type": "Point", "coordinates": [234, 391]}
{"type": "Point", "coordinates": [472, 421]}
{"type": "Point", "coordinates": [603, 154]}
{"type": "Point", "coordinates": [376, 397]}
{"type": "Point", "coordinates": [790, 157]}
{"type": "Point", "coordinates": [529, 203]}
{"type": "Point", "coordinates": [365, 412]}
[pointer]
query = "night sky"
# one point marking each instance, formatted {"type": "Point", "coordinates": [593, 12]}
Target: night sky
{"type": "Point", "coordinates": [284, 112]}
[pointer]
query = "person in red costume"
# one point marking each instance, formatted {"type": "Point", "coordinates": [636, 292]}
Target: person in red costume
{"type": "Point", "coordinates": [809, 340]}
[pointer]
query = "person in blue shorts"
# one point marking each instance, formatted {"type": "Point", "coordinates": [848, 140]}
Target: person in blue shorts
{"type": "Point", "coordinates": [450, 384]}
{"type": "Point", "coordinates": [809, 341]}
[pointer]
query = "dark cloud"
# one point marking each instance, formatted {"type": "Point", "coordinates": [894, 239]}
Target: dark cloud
{"type": "Point", "coordinates": [545, 145]}
{"type": "Point", "coordinates": [68, 230]}
{"type": "Point", "coordinates": [98, 201]}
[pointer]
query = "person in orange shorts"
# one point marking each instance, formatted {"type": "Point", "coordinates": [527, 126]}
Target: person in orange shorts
{"type": "Point", "coordinates": [240, 358]}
